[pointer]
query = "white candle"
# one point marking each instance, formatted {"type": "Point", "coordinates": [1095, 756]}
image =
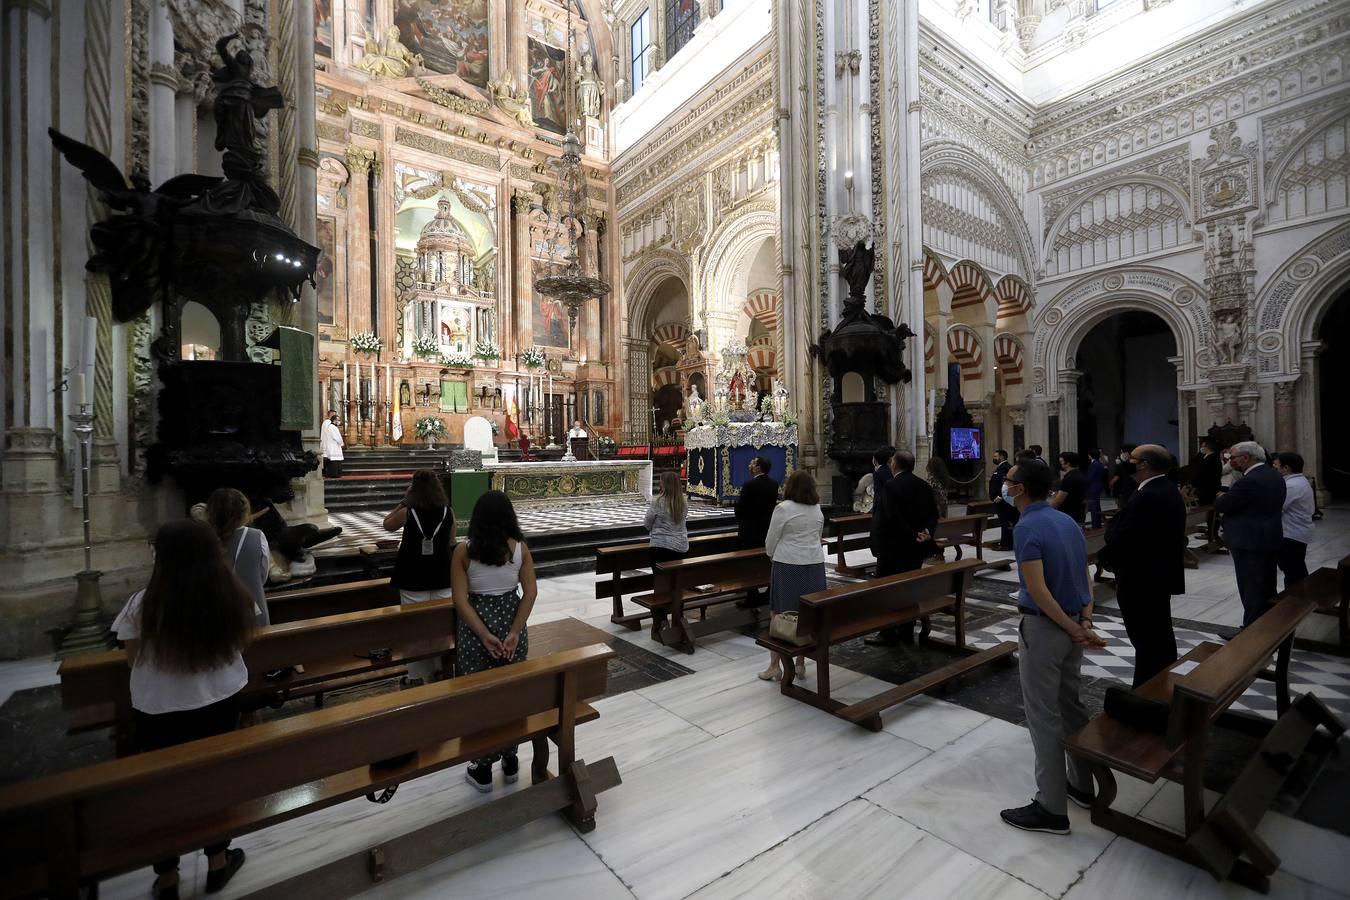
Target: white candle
{"type": "Point", "coordinates": [90, 342]}
{"type": "Point", "coordinates": [374, 388]}
{"type": "Point", "coordinates": [82, 388]}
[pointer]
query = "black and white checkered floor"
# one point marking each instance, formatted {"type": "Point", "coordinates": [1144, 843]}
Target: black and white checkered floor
{"type": "Point", "coordinates": [1328, 677]}
{"type": "Point", "coordinates": [366, 527]}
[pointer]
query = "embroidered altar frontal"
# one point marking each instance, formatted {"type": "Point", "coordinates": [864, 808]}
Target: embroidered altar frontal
{"type": "Point", "coordinates": [533, 483]}
{"type": "Point", "coordinates": [718, 456]}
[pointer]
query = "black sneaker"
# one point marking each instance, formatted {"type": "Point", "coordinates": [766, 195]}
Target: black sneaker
{"type": "Point", "coordinates": [479, 776]}
{"type": "Point", "coordinates": [1082, 798]}
{"type": "Point", "coordinates": [510, 767]}
{"type": "Point", "coordinates": [216, 879]}
{"type": "Point", "coordinates": [1034, 817]}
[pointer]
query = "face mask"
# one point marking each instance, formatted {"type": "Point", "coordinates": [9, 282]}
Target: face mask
{"type": "Point", "coordinates": [1007, 498]}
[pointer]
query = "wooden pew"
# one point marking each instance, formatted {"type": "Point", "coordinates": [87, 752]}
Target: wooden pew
{"type": "Point", "coordinates": [330, 600]}
{"type": "Point", "coordinates": [676, 593]}
{"type": "Point", "coordinates": [1220, 838]}
{"type": "Point", "coordinates": [851, 531]}
{"type": "Point", "coordinates": [1342, 611]}
{"type": "Point", "coordinates": [954, 531]}
{"type": "Point", "coordinates": [64, 831]}
{"type": "Point", "coordinates": [1196, 517]}
{"type": "Point", "coordinates": [850, 611]}
{"type": "Point", "coordinates": [618, 560]}
{"type": "Point", "coordinates": [333, 651]}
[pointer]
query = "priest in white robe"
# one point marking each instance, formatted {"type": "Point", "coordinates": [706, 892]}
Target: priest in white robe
{"type": "Point", "coordinates": [330, 445]}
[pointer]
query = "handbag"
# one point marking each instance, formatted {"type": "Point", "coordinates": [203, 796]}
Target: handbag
{"type": "Point", "coordinates": [784, 627]}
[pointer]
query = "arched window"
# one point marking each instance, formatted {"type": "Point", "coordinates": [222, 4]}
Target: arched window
{"type": "Point", "coordinates": [681, 20]}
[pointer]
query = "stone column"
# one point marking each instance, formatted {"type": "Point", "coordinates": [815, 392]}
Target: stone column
{"type": "Point", "coordinates": [516, 327]}
{"type": "Point", "coordinates": [361, 162]}
{"type": "Point", "coordinates": [658, 35]}
{"type": "Point", "coordinates": [979, 416]}
{"type": "Point", "coordinates": [1068, 408]}
{"type": "Point", "coordinates": [1309, 417]}
{"type": "Point", "coordinates": [163, 103]}
{"type": "Point", "coordinates": [1286, 415]}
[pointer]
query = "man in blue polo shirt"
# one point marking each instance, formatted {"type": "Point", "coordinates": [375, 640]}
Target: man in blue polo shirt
{"type": "Point", "coordinates": [1055, 601]}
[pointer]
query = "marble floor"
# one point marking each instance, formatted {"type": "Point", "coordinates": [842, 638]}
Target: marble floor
{"type": "Point", "coordinates": [731, 790]}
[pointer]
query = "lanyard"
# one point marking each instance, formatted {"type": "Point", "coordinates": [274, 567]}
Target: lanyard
{"type": "Point", "coordinates": [427, 540]}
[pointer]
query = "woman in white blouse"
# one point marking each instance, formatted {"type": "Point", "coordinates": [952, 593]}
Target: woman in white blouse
{"type": "Point", "coordinates": [183, 637]}
{"type": "Point", "coordinates": [793, 543]}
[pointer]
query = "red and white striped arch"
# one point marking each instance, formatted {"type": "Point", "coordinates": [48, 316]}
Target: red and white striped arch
{"type": "Point", "coordinates": [964, 346]}
{"type": "Point", "coordinates": [1013, 295]}
{"type": "Point", "coordinates": [672, 334]}
{"type": "Point", "coordinates": [664, 376]}
{"type": "Point", "coordinates": [970, 286]}
{"type": "Point", "coordinates": [934, 272]}
{"type": "Point", "coordinates": [766, 306]}
{"type": "Point", "coordinates": [929, 351]}
{"type": "Point", "coordinates": [1008, 355]}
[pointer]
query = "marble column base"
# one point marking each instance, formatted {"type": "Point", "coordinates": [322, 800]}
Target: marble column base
{"type": "Point", "coordinates": [30, 464]}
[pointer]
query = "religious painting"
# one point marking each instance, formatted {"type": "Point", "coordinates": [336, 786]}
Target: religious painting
{"type": "Point", "coordinates": [545, 84]}
{"type": "Point", "coordinates": [451, 35]}
{"type": "Point", "coordinates": [548, 317]}
{"type": "Point", "coordinates": [325, 282]}
{"type": "Point", "coordinates": [323, 28]}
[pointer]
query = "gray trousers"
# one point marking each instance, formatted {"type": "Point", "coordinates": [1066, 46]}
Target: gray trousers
{"type": "Point", "coordinates": [1049, 663]}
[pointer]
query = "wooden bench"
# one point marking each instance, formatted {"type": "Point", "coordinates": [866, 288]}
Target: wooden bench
{"type": "Point", "coordinates": [618, 561]}
{"type": "Point", "coordinates": [851, 611]}
{"type": "Point", "coordinates": [1342, 610]}
{"type": "Point", "coordinates": [314, 602]}
{"type": "Point", "coordinates": [1197, 517]}
{"type": "Point", "coordinates": [1222, 840]}
{"type": "Point", "coordinates": [697, 583]}
{"type": "Point", "coordinates": [854, 532]}
{"type": "Point", "coordinates": [66, 831]}
{"type": "Point", "coordinates": [331, 652]}
{"type": "Point", "coordinates": [954, 531]}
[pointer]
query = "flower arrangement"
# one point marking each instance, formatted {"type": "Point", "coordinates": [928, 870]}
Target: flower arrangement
{"type": "Point", "coordinates": [496, 429]}
{"type": "Point", "coordinates": [487, 350]}
{"type": "Point", "coordinates": [719, 417]}
{"type": "Point", "coordinates": [533, 358]}
{"type": "Point", "coordinates": [606, 444]}
{"type": "Point", "coordinates": [365, 342]}
{"type": "Point", "coordinates": [457, 361]}
{"type": "Point", "coordinates": [425, 347]}
{"type": "Point", "coordinates": [429, 427]}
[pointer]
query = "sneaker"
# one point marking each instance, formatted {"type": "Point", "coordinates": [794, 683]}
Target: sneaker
{"type": "Point", "coordinates": [216, 879]}
{"type": "Point", "coordinates": [1082, 798]}
{"type": "Point", "coordinates": [479, 776]}
{"type": "Point", "coordinates": [510, 767]}
{"type": "Point", "coordinates": [1034, 817]}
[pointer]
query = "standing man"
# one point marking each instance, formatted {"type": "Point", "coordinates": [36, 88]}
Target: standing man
{"type": "Point", "coordinates": [1296, 518]}
{"type": "Point", "coordinates": [1007, 514]}
{"type": "Point", "coordinates": [909, 519]}
{"type": "Point", "coordinates": [1036, 451]}
{"type": "Point", "coordinates": [754, 508]}
{"type": "Point", "coordinates": [330, 446]}
{"type": "Point", "coordinates": [1122, 479]}
{"type": "Point", "coordinates": [1207, 472]}
{"type": "Point", "coordinates": [1146, 547]}
{"type": "Point", "coordinates": [1252, 509]}
{"type": "Point", "coordinates": [1056, 606]}
{"type": "Point", "coordinates": [881, 473]}
{"type": "Point", "coordinates": [1070, 496]}
{"type": "Point", "coordinates": [1096, 484]}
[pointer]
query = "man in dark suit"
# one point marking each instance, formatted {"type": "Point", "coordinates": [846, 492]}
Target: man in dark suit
{"type": "Point", "coordinates": [909, 519]}
{"type": "Point", "coordinates": [754, 508]}
{"type": "Point", "coordinates": [1207, 472]}
{"type": "Point", "coordinates": [1145, 545]}
{"type": "Point", "coordinates": [1007, 514]}
{"type": "Point", "coordinates": [881, 473]}
{"type": "Point", "coordinates": [1252, 529]}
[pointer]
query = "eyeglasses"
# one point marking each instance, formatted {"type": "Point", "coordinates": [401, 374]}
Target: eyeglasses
{"type": "Point", "coordinates": [1007, 480]}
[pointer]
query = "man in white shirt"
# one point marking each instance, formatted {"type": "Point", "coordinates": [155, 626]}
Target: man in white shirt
{"type": "Point", "coordinates": [330, 445]}
{"type": "Point", "coordinates": [1296, 519]}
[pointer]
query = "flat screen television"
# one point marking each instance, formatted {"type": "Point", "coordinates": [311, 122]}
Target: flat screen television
{"type": "Point", "coordinates": [965, 443]}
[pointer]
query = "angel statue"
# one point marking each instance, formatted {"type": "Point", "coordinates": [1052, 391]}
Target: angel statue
{"type": "Point", "coordinates": [130, 246]}
{"type": "Point", "coordinates": [512, 100]}
{"type": "Point", "coordinates": [388, 59]}
{"type": "Point", "coordinates": [240, 102]}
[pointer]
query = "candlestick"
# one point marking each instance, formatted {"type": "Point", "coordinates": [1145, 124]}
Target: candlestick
{"type": "Point", "coordinates": [86, 632]}
{"type": "Point", "coordinates": [82, 389]}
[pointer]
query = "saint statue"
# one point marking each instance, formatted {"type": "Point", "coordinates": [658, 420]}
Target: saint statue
{"type": "Point", "coordinates": [1228, 339]}
{"type": "Point", "coordinates": [388, 59]}
{"type": "Point", "coordinates": [511, 100]}
{"type": "Point", "coordinates": [693, 405]}
{"type": "Point", "coordinates": [240, 102]}
{"type": "Point", "coordinates": [589, 87]}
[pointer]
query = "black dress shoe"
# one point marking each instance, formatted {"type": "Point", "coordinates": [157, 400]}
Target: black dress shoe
{"type": "Point", "coordinates": [216, 879]}
{"type": "Point", "coordinates": [1034, 817]}
{"type": "Point", "coordinates": [882, 640]}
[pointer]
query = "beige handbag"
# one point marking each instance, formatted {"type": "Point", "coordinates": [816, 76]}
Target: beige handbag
{"type": "Point", "coordinates": [784, 627]}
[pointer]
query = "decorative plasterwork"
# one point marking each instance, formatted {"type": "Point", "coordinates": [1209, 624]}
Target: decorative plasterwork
{"type": "Point", "coordinates": [1285, 302]}
{"type": "Point", "coordinates": [1173, 166]}
{"type": "Point", "coordinates": [450, 100]}
{"type": "Point", "coordinates": [425, 142]}
{"type": "Point", "coordinates": [941, 157]}
{"type": "Point", "coordinates": [1224, 183]}
{"type": "Point", "coordinates": [1282, 130]}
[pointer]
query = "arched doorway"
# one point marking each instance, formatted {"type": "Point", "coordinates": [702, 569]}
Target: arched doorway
{"type": "Point", "coordinates": [1333, 370]}
{"type": "Point", "coordinates": [668, 331]}
{"type": "Point", "coordinates": [1127, 392]}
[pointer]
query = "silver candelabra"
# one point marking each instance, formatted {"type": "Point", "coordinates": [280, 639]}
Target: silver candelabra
{"type": "Point", "coordinates": [87, 632]}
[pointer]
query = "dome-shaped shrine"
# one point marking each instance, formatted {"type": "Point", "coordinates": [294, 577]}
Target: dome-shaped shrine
{"type": "Point", "coordinates": [444, 251]}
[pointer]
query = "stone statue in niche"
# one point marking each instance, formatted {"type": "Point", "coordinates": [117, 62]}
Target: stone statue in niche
{"type": "Point", "coordinates": [388, 58]}
{"type": "Point", "coordinates": [590, 90]}
{"type": "Point", "coordinates": [693, 405]}
{"type": "Point", "coordinates": [512, 100]}
{"type": "Point", "coordinates": [1228, 338]}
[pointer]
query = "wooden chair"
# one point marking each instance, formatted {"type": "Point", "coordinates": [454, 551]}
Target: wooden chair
{"type": "Point", "coordinates": [684, 585]}
{"type": "Point", "coordinates": [330, 653]}
{"type": "Point", "coordinates": [330, 600]}
{"type": "Point", "coordinates": [851, 611]}
{"type": "Point", "coordinates": [620, 560]}
{"type": "Point", "coordinates": [1223, 839]}
{"type": "Point", "coordinates": [66, 831]}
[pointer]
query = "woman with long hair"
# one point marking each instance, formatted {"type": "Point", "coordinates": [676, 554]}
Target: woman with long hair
{"type": "Point", "coordinates": [422, 566]}
{"type": "Point", "coordinates": [665, 520]}
{"type": "Point", "coordinates": [793, 543]}
{"type": "Point", "coordinates": [246, 550]}
{"type": "Point", "coordinates": [493, 577]}
{"type": "Point", "coordinates": [184, 635]}
{"type": "Point", "coordinates": [939, 480]}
